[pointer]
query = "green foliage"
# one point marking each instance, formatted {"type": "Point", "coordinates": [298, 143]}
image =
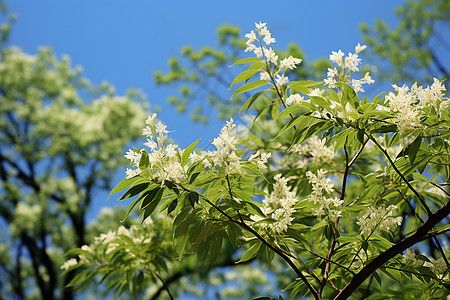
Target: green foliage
{"type": "Point", "coordinates": [418, 44]}
{"type": "Point", "coordinates": [352, 233]}
{"type": "Point", "coordinates": [60, 144]}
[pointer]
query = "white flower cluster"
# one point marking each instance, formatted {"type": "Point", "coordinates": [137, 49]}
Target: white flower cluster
{"type": "Point", "coordinates": [380, 218]}
{"type": "Point", "coordinates": [437, 266]}
{"type": "Point", "coordinates": [313, 152]}
{"type": "Point", "coordinates": [260, 159]}
{"type": "Point", "coordinates": [264, 38]}
{"type": "Point", "coordinates": [294, 99]}
{"type": "Point", "coordinates": [322, 186]}
{"type": "Point", "coordinates": [26, 217]}
{"type": "Point", "coordinates": [110, 241]}
{"type": "Point", "coordinates": [265, 35]}
{"type": "Point", "coordinates": [279, 206]}
{"type": "Point", "coordinates": [225, 156]}
{"type": "Point", "coordinates": [346, 66]}
{"type": "Point", "coordinates": [408, 105]}
{"type": "Point", "coordinates": [69, 263]}
{"type": "Point", "coordinates": [163, 159]}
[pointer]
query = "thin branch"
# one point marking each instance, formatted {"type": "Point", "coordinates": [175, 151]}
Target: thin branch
{"type": "Point", "coordinates": [164, 285]}
{"type": "Point", "coordinates": [333, 262]}
{"type": "Point", "coordinates": [272, 247]}
{"type": "Point", "coordinates": [421, 234]}
{"type": "Point", "coordinates": [419, 197]}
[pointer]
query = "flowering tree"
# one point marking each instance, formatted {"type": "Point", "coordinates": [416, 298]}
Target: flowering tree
{"type": "Point", "coordinates": [59, 148]}
{"type": "Point", "coordinates": [345, 193]}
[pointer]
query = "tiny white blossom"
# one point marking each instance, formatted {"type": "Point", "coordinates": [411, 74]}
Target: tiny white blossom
{"type": "Point", "coordinates": [280, 80]}
{"type": "Point", "coordinates": [68, 264]}
{"type": "Point", "coordinates": [336, 57]}
{"type": "Point", "coordinates": [290, 62]}
{"type": "Point", "coordinates": [293, 99]}
{"type": "Point", "coordinates": [380, 218]}
{"type": "Point", "coordinates": [360, 48]}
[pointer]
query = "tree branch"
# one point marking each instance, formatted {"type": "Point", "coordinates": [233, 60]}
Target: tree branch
{"type": "Point", "coordinates": [421, 234]}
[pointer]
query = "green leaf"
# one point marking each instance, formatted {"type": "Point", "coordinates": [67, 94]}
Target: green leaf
{"type": "Point", "coordinates": [124, 183]}
{"type": "Point", "coordinates": [319, 101]}
{"type": "Point", "coordinates": [144, 161]}
{"type": "Point", "coordinates": [360, 136]}
{"type": "Point", "coordinates": [291, 109]}
{"type": "Point", "coordinates": [247, 60]}
{"type": "Point", "coordinates": [299, 86]}
{"type": "Point", "coordinates": [148, 196]}
{"type": "Point", "coordinates": [251, 253]}
{"type": "Point", "coordinates": [250, 101]}
{"type": "Point", "coordinates": [288, 126]}
{"type": "Point", "coordinates": [193, 198]}
{"type": "Point", "coordinates": [414, 147]}
{"type": "Point", "coordinates": [250, 86]}
{"type": "Point", "coordinates": [247, 74]}
{"type": "Point", "coordinates": [172, 206]}
{"type": "Point", "coordinates": [134, 190]}
{"type": "Point", "coordinates": [187, 152]}
{"type": "Point", "coordinates": [153, 204]}
{"type": "Point", "coordinates": [215, 247]}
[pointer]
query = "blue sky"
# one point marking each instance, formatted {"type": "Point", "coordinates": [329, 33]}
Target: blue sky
{"type": "Point", "coordinates": [125, 42]}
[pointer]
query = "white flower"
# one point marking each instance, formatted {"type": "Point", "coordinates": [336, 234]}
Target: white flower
{"type": "Point", "coordinates": [68, 264]}
{"type": "Point", "coordinates": [251, 37]}
{"type": "Point", "coordinates": [336, 57]}
{"type": "Point", "coordinates": [150, 119]}
{"type": "Point", "coordinates": [263, 75]}
{"type": "Point", "coordinates": [360, 48]}
{"type": "Point", "coordinates": [322, 186]}
{"type": "Point", "coordinates": [133, 156]}
{"type": "Point", "coordinates": [270, 55]}
{"type": "Point", "coordinates": [279, 206]}
{"type": "Point", "coordinates": [280, 80]}
{"type": "Point", "coordinates": [378, 219]}
{"type": "Point", "coordinates": [260, 159]}
{"type": "Point", "coordinates": [290, 63]}
{"type": "Point", "coordinates": [268, 40]}
{"type": "Point", "coordinates": [260, 25]}
{"type": "Point", "coordinates": [293, 99]}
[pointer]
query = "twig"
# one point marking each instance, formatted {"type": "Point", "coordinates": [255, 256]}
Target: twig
{"type": "Point", "coordinates": [419, 197]}
{"type": "Point", "coordinates": [420, 234]}
{"type": "Point", "coordinates": [164, 285]}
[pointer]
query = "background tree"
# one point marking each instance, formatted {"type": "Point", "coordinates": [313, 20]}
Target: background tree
{"type": "Point", "coordinates": [60, 146]}
{"type": "Point", "coordinates": [418, 48]}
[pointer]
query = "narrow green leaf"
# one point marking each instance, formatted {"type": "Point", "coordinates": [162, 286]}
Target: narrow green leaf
{"type": "Point", "coordinates": [247, 60]}
{"type": "Point", "coordinates": [250, 101]}
{"type": "Point", "coordinates": [299, 85]}
{"type": "Point", "coordinates": [291, 109]}
{"type": "Point", "coordinates": [414, 147]}
{"type": "Point", "coordinates": [288, 126]}
{"type": "Point", "coordinates": [193, 198]}
{"type": "Point", "coordinates": [251, 253]}
{"type": "Point", "coordinates": [123, 184]}
{"type": "Point", "coordinates": [247, 74]}
{"type": "Point", "coordinates": [250, 86]}
{"type": "Point", "coordinates": [187, 152]}
{"type": "Point", "coordinates": [134, 190]}
{"type": "Point", "coordinates": [144, 161]}
{"type": "Point", "coordinates": [360, 136]}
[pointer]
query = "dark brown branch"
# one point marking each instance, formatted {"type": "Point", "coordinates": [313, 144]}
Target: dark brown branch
{"type": "Point", "coordinates": [164, 285]}
{"type": "Point", "coordinates": [269, 245]}
{"type": "Point", "coordinates": [421, 234]}
{"type": "Point", "coordinates": [419, 197]}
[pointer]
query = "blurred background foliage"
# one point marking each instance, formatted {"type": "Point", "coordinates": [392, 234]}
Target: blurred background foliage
{"type": "Point", "coordinates": [62, 140]}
